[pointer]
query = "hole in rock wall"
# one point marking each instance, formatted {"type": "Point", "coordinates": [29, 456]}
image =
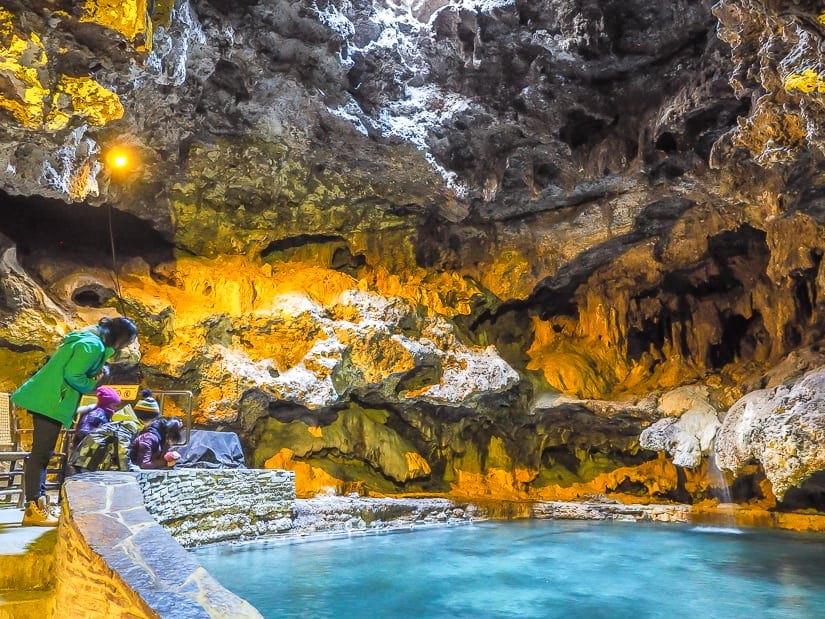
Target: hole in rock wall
{"type": "Point", "coordinates": [705, 126]}
{"type": "Point", "coordinates": [652, 332]}
{"type": "Point", "coordinates": [544, 174]}
{"type": "Point", "coordinates": [667, 142]}
{"type": "Point", "coordinates": [286, 412]}
{"type": "Point", "coordinates": [78, 232]}
{"type": "Point", "coordinates": [467, 35]}
{"type": "Point", "coordinates": [705, 294]}
{"type": "Point", "coordinates": [581, 128]}
{"type": "Point", "coordinates": [344, 260]}
{"type": "Point", "coordinates": [635, 488]}
{"type": "Point", "coordinates": [734, 329]}
{"type": "Point", "coordinates": [92, 296]}
{"type": "Point", "coordinates": [805, 292]}
{"type": "Point", "coordinates": [559, 455]}
{"type": "Point", "coordinates": [810, 494]}
{"type": "Point", "coordinates": [746, 487]}
{"type": "Point", "coordinates": [792, 336]}
{"type": "Point", "coordinates": [293, 244]}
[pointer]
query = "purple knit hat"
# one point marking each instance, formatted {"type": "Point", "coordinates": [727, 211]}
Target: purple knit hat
{"type": "Point", "coordinates": [107, 398]}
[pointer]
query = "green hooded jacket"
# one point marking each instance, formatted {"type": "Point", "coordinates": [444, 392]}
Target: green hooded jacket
{"type": "Point", "coordinates": [54, 391]}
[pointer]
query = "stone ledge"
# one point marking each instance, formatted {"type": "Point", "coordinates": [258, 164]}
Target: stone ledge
{"type": "Point", "coordinates": [114, 559]}
{"type": "Point", "coordinates": [204, 506]}
{"type": "Point", "coordinates": [602, 510]}
{"type": "Point", "coordinates": [330, 515]}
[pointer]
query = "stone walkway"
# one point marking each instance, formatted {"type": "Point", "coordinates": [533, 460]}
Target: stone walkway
{"type": "Point", "coordinates": [14, 538]}
{"type": "Point", "coordinates": [26, 567]}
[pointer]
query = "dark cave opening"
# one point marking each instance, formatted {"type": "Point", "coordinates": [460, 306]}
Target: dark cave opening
{"type": "Point", "coordinates": [745, 241]}
{"type": "Point", "coordinates": [581, 129]}
{"type": "Point", "coordinates": [671, 323]}
{"type": "Point", "coordinates": [544, 173]}
{"type": "Point", "coordinates": [78, 232]}
{"type": "Point", "coordinates": [704, 126]}
{"type": "Point", "coordinates": [733, 257]}
{"type": "Point", "coordinates": [745, 487]}
{"type": "Point", "coordinates": [809, 494]}
{"type": "Point", "coordinates": [92, 296]}
{"type": "Point", "coordinates": [633, 488]}
{"type": "Point", "coordinates": [467, 37]}
{"type": "Point", "coordinates": [562, 455]}
{"type": "Point", "coordinates": [729, 347]}
{"type": "Point", "coordinates": [653, 331]}
{"type": "Point", "coordinates": [792, 336]}
{"type": "Point", "coordinates": [667, 142]}
{"type": "Point", "coordinates": [298, 241]}
{"type": "Point", "coordinates": [804, 292]}
{"type": "Point", "coordinates": [286, 412]}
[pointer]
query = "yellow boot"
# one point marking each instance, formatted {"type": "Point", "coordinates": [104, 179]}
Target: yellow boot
{"type": "Point", "coordinates": [37, 514]}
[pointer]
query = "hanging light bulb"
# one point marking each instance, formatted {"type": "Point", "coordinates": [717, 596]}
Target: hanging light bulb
{"type": "Point", "coordinates": [121, 159]}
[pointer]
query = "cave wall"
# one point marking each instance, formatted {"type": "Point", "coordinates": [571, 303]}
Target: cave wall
{"type": "Point", "coordinates": [426, 248]}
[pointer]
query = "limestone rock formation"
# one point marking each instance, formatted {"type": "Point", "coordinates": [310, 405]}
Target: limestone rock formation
{"type": "Point", "coordinates": [437, 246]}
{"type": "Point", "coordinates": [30, 322]}
{"type": "Point", "coordinates": [688, 429]}
{"type": "Point", "coordinates": [783, 428]}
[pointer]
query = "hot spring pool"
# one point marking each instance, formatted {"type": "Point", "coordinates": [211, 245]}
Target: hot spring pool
{"type": "Point", "coordinates": [532, 569]}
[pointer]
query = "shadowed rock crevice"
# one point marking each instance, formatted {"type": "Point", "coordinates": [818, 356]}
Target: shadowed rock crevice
{"type": "Point", "coordinates": [78, 232]}
{"type": "Point", "coordinates": [294, 242]}
{"type": "Point", "coordinates": [809, 495]}
{"type": "Point", "coordinates": [556, 295]}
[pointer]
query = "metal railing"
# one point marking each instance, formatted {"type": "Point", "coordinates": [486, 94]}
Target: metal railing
{"type": "Point", "coordinates": [161, 396]}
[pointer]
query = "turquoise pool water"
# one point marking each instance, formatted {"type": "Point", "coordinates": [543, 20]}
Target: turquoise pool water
{"type": "Point", "coordinates": [532, 569]}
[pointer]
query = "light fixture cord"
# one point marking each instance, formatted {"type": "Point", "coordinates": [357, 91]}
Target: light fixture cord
{"type": "Point", "coordinates": [114, 262]}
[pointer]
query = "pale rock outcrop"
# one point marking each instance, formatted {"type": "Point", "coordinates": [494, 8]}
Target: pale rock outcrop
{"type": "Point", "coordinates": [687, 431]}
{"type": "Point", "coordinates": [783, 428]}
{"type": "Point", "coordinates": [364, 342]}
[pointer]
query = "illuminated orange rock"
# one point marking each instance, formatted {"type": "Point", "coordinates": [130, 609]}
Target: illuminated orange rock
{"type": "Point", "coordinates": [311, 480]}
{"type": "Point", "coordinates": [129, 18]}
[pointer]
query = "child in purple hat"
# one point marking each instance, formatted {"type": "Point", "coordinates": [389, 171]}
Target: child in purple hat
{"type": "Point", "coordinates": [107, 400]}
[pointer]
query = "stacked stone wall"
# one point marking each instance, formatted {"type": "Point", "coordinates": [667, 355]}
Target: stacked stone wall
{"type": "Point", "coordinates": [87, 585]}
{"type": "Point", "coordinates": [207, 506]}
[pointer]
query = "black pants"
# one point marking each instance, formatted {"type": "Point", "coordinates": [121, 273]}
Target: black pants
{"type": "Point", "coordinates": [44, 439]}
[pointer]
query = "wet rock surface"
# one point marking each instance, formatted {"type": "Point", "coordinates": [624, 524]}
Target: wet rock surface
{"type": "Point", "coordinates": [781, 428]}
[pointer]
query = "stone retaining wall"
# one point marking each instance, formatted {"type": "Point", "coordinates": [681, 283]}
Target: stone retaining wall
{"type": "Point", "coordinates": [601, 510]}
{"type": "Point", "coordinates": [203, 506]}
{"type": "Point", "coordinates": [354, 514]}
{"type": "Point", "coordinates": [114, 560]}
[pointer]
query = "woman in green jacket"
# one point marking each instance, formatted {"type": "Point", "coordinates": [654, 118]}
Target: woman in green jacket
{"type": "Point", "coordinates": [52, 396]}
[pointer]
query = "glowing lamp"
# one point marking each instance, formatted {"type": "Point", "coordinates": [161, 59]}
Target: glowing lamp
{"type": "Point", "coordinates": [120, 159]}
